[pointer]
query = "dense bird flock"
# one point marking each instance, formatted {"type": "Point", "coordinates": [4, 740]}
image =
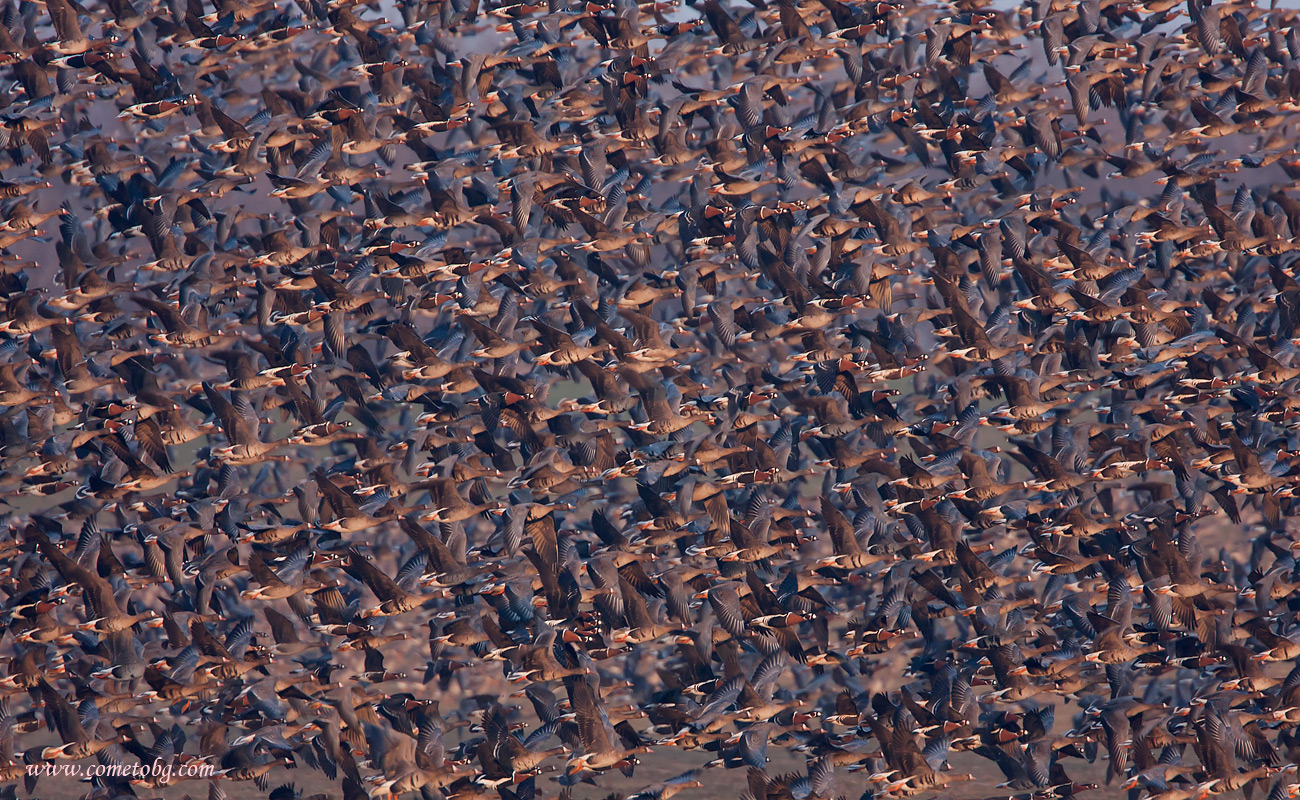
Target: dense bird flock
{"type": "Point", "coordinates": [464, 400]}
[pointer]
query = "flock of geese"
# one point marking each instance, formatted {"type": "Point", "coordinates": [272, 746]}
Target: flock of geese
{"type": "Point", "coordinates": [792, 400]}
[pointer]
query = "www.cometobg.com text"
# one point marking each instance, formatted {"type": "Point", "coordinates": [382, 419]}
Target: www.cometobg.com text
{"type": "Point", "coordinates": [157, 771]}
